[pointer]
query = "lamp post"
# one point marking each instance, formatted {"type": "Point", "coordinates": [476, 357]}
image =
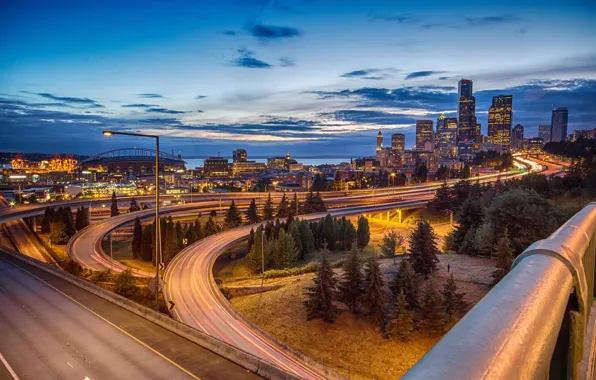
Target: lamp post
{"type": "Point", "coordinates": [262, 256]}
{"type": "Point", "coordinates": [157, 222]}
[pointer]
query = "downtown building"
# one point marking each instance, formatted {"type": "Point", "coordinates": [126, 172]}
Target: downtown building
{"type": "Point", "coordinates": [468, 130]}
{"type": "Point", "coordinates": [446, 137]}
{"type": "Point", "coordinates": [499, 122]}
{"type": "Point", "coordinates": [398, 142]}
{"type": "Point", "coordinates": [544, 133]}
{"type": "Point", "coordinates": [558, 125]}
{"type": "Point", "coordinates": [425, 135]}
{"type": "Point", "coordinates": [517, 137]}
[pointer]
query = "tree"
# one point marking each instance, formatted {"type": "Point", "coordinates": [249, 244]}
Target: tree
{"type": "Point", "coordinates": [423, 249]}
{"type": "Point", "coordinates": [48, 216]}
{"type": "Point", "coordinates": [391, 240]}
{"type": "Point", "coordinates": [349, 235]}
{"type": "Point", "coordinates": [65, 215]}
{"type": "Point", "coordinates": [58, 233]}
{"type": "Point", "coordinates": [256, 253]}
{"type": "Point", "coordinates": [233, 217]}
{"type": "Point", "coordinates": [282, 208]}
{"type": "Point", "coordinates": [251, 240]}
{"type": "Point", "coordinates": [294, 231]}
{"type": "Point", "coordinates": [373, 297]}
{"type": "Point", "coordinates": [470, 217]}
{"type": "Point", "coordinates": [453, 301]}
{"type": "Point", "coordinates": [133, 205]}
{"type": "Point", "coordinates": [191, 235]}
{"type": "Point", "coordinates": [80, 219]}
{"type": "Point", "coordinates": [504, 254]}
{"type": "Point", "coordinates": [405, 281]}
{"type": "Point", "coordinates": [179, 236]}
{"type": "Point", "coordinates": [198, 229]}
{"type": "Point", "coordinates": [285, 251]}
{"type": "Point", "coordinates": [351, 286]}
{"type": "Point", "coordinates": [147, 247]}
{"type": "Point", "coordinates": [137, 238]}
{"type": "Point", "coordinates": [432, 310]}
{"type": "Point", "coordinates": [211, 227]}
{"type": "Point", "coordinates": [319, 183]}
{"type": "Point", "coordinates": [363, 232]}
{"type": "Point", "coordinates": [268, 208]}
{"type": "Point", "coordinates": [170, 245]}
{"type": "Point", "coordinates": [442, 201]}
{"type": "Point", "coordinates": [308, 240]}
{"type": "Point", "coordinates": [252, 214]}
{"type": "Point", "coordinates": [126, 284]}
{"type": "Point", "coordinates": [328, 232]}
{"type": "Point", "coordinates": [294, 205]}
{"type": "Point", "coordinates": [401, 324]}
{"type": "Point", "coordinates": [420, 174]}
{"type": "Point", "coordinates": [320, 296]}
{"type": "Point", "coordinates": [114, 207]}
{"type": "Point", "coordinates": [465, 172]}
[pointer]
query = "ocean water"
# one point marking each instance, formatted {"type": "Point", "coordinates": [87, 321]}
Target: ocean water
{"type": "Point", "coordinates": [196, 162]}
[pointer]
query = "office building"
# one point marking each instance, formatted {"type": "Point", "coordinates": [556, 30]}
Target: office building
{"type": "Point", "coordinates": [239, 155]}
{"type": "Point", "coordinates": [533, 145]}
{"type": "Point", "coordinates": [425, 135]}
{"type": "Point", "coordinates": [499, 121]}
{"type": "Point", "coordinates": [379, 140]}
{"type": "Point", "coordinates": [247, 167]}
{"type": "Point", "coordinates": [468, 128]}
{"type": "Point", "coordinates": [517, 137]}
{"type": "Point", "coordinates": [544, 133]}
{"type": "Point", "coordinates": [216, 167]}
{"type": "Point", "coordinates": [584, 134]}
{"type": "Point", "coordinates": [398, 142]}
{"type": "Point", "coordinates": [446, 137]}
{"type": "Point", "coordinates": [558, 125]}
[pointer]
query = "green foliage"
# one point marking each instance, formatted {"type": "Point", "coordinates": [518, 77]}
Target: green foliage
{"type": "Point", "coordinates": [504, 255]}
{"type": "Point", "coordinates": [320, 296]}
{"type": "Point", "coordinates": [282, 207]}
{"type": "Point", "coordinates": [308, 240]}
{"type": "Point", "coordinates": [284, 250]}
{"type": "Point", "coordinates": [294, 231]}
{"type": "Point", "coordinates": [48, 216]}
{"type": "Point", "coordinates": [126, 284]}
{"type": "Point", "coordinates": [137, 238]}
{"type": "Point", "coordinates": [252, 213]}
{"type": "Point", "coordinates": [391, 241]}
{"type": "Point", "coordinates": [405, 281]}
{"type": "Point", "coordinates": [313, 203]}
{"type": "Point", "coordinates": [133, 205]}
{"type": "Point", "coordinates": [58, 233]}
{"type": "Point", "coordinates": [81, 218]}
{"type": "Point", "coordinates": [453, 301]}
{"type": "Point", "coordinates": [363, 232]}
{"type": "Point", "coordinates": [373, 297]}
{"type": "Point", "coordinates": [423, 249]}
{"type": "Point", "coordinates": [170, 243]}
{"type": "Point", "coordinates": [268, 208]}
{"type": "Point", "coordinates": [233, 217]}
{"type": "Point", "coordinates": [401, 324]}
{"type": "Point", "coordinates": [351, 287]}
{"type": "Point", "coordinates": [258, 249]}
{"type": "Point", "coordinates": [420, 174]}
{"type": "Point", "coordinates": [114, 207]}
{"type": "Point", "coordinates": [211, 227]}
{"type": "Point", "coordinates": [319, 183]}
{"type": "Point", "coordinates": [147, 246]}
{"type": "Point", "coordinates": [432, 311]}
{"type": "Point", "coordinates": [470, 217]}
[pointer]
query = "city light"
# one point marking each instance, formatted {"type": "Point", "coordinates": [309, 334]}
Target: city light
{"type": "Point", "coordinates": [107, 133]}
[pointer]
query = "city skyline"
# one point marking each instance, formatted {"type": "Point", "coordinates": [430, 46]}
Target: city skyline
{"type": "Point", "coordinates": [275, 78]}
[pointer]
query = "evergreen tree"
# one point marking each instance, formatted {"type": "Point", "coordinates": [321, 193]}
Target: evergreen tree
{"type": "Point", "coordinates": [465, 172]}
{"type": "Point", "coordinates": [147, 247]}
{"type": "Point", "coordinates": [80, 219]}
{"type": "Point", "coordinates": [391, 241]}
{"type": "Point", "coordinates": [179, 236]}
{"type": "Point", "coordinates": [114, 207]}
{"type": "Point", "coordinates": [191, 235]}
{"type": "Point", "coordinates": [268, 208]}
{"type": "Point", "coordinates": [251, 240]}
{"type": "Point", "coordinates": [170, 246]}
{"type": "Point", "coordinates": [308, 208]}
{"type": "Point", "coordinates": [442, 201]}
{"type": "Point", "coordinates": [48, 216]}
{"type": "Point", "coordinates": [432, 311]}
{"type": "Point", "coordinates": [233, 218]}
{"type": "Point", "coordinates": [133, 205]}
{"type": "Point", "coordinates": [504, 254]}
{"type": "Point", "coordinates": [295, 232]}
{"type": "Point", "coordinates": [320, 296]}
{"type": "Point", "coordinates": [423, 249]}
{"type": "Point", "coordinates": [66, 217]}
{"type": "Point", "coordinates": [363, 232]}
{"type": "Point", "coordinates": [198, 229]}
{"type": "Point", "coordinates": [252, 214]}
{"type": "Point", "coordinates": [405, 281]}
{"type": "Point", "coordinates": [284, 251]}
{"type": "Point", "coordinates": [294, 205]}
{"type": "Point", "coordinates": [318, 203]}
{"type": "Point", "coordinates": [469, 218]}
{"type": "Point", "coordinates": [328, 232]}
{"type": "Point", "coordinates": [349, 235]}
{"type": "Point", "coordinates": [308, 240]}
{"type": "Point", "coordinates": [137, 238]}
{"type": "Point", "coordinates": [453, 301]}
{"type": "Point", "coordinates": [401, 324]}
{"type": "Point", "coordinates": [211, 227]}
{"type": "Point", "coordinates": [58, 233]}
{"type": "Point", "coordinates": [257, 251]}
{"type": "Point", "coordinates": [373, 298]}
{"type": "Point", "coordinates": [351, 287]}
{"type": "Point", "coordinates": [319, 183]}
{"type": "Point", "coordinates": [282, 208]}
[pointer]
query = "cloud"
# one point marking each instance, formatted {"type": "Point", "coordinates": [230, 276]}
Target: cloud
{"type": "Point", "coordinates": [229, 33]}
{"type": "Point", "coordinates": [420, 74]}
{"type": "Point", "coordinates": [358, 73]}
{"type": "Point", "coordinates": [138, 105]}
{"type": "Point", "coordinates": [200, 97]}
{"type": "Point", "coordinates": [247, 59]}
{"type": "Point", "coordinates": [151, 96]}
{"type": "Point", "coordinates": [67, 101]}
{"type": "Point", "coordinates": [263, 31]}
{"type": "Point", "coordinates": [521, 31]}
{"type": "Point", "coordinates": [200, 111]}
{"type": "Point", "coordinates": [398, 18]}
{"type": "Point", "coordinates": [163, 110]}
{"type": "Point", "coordinates": [368, 74]}
{"type": "Point", "coordinates": [490, 20]}
{"type": "Point", "coordinates": [286, 62]}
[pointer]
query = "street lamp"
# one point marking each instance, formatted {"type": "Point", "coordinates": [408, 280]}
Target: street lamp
{"type": "Point", "coordinates": [392, 179]}
{"type": "Point", "coordinates": [262, 256]}
{"type": "Point", "coordinates": [157, 222]}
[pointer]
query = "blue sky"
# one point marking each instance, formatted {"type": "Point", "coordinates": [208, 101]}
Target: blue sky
{"type": "Point", "coordinates": [309, 77]}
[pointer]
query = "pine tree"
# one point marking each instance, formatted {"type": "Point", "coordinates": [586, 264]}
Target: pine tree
{"type": "Point", "coordinates": [133, 205]}
{"type": "Point", "coordinates": [504, 254]}
{"type": "Point", "coordinates": [401, 324]}
{"type": "Point", "coordinates": [363, 232]}
{"type": "Point", "coordinates": [373, 298]}
{"type": "Point", "coordinates": [320, 296]}
{"type": "Point", "coordinates": [80, 219]}
{"type": "Point", "coordinates": [211, 227]}
{"type": "Point", "coordinates": [114, 207]}
{"type": "Point", "coordinates": [391, 240]}
{"type": "Point", "coordinates": [328, 232]}
{"type": "Point", "coordinates": [470, 216]}
{"type": "Point", "coordinates": [147, 247]}
{"type": "Point", "coordinates": [453, 301]}
{"type": "Point", "coordinates": [252, 214]}
{"type": "Point", "coordinates": [66, 217]}
{"type": "Point", "coordinates": [308, 240]}
{"type": "Point", "coordinates": [58, 233]}
{"type": "Point", "coordinates": [349, 235]}
{"type": "Point", "coordinates": [351, 287]}
{"type": "Point", "coordinates": [170, 247]}
{"type": "Point", "coordinates": [295, 232]}
{"type": "Point", "coordinates": [284, 251]}
{"type": "Point", "coordinates": [191, 235]}
{"type": "Point", "coordinates": [48, 216]}
{"type": "Point", "coordinates": [282, 208]}
{"type": "Point", "coordinates": [294, 205]}
{"type": "Point", "coordinates": [442, 201]}
{"type": "Point", "coordinates": [423, 249]}
{"type": "Point", "coordinates": [257, 251]}
{"type": "Point", "coordinates": [251, 240]}
{"type": "Point", "coordinates": [268, 208]}
{"type": "Point", "coordinates": [405, 281]}
{"type": "Point", "coordinates": [233, 218]}
{"type": "Point", "coordinates": [198, 229]}
{"type": "Point", "coordinates": [432, 311]}
{"type": "Point", "coordinates": [179, 236]}
{"type": "Point", "coordinates": [318, 203]}
{"type": "Point", "coordinates": [137, 238]}
{"type": "Point", "coordinates": [308, 206]}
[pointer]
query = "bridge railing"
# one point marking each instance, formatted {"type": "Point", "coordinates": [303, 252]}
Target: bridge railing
{"type": "Point", "coordinates": [533, 324]}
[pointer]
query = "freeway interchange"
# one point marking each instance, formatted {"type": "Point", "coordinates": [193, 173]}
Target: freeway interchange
{"type": "Point", "coordinates": [188, 281]}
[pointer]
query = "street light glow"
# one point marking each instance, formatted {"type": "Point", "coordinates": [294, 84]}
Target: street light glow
{"type": "Point", "coordinates": [107, 133]}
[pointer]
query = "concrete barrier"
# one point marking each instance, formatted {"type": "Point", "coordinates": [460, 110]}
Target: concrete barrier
{"type": "Point", "coordinates": [231, 353]}
{"type": "Point", "coordinates": [238, 291]}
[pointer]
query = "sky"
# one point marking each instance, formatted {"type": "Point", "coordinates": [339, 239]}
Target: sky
{"type": "Point", "coordinates": [308, 77]}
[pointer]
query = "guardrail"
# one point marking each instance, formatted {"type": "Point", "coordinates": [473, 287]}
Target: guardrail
{"type": "Point", "coordinates": [534, 322]}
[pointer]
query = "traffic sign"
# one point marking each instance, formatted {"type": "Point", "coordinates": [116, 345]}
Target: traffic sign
{"type": "Point", "coordinates": [162, 266]}
{"type": "Point", "coordinates": [185, 241]}
{"type": "Point", "coordinates": [171, 305]}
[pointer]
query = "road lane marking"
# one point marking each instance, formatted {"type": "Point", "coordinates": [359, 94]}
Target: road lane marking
{"type": "Point", "coordinates": [8, 367]}
{"type": "Point", "coordinates": [108, 322]}
{"type": "Point", "coordinates": [69, 364]}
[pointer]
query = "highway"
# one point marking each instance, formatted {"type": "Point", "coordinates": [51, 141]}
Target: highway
{"type": "Point", "coordinates": [53, 329]}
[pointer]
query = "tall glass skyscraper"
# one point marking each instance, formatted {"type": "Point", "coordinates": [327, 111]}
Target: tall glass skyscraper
{"type": "Point", "coordinates": [425, 135]}
{"type": "Point", "coordinates": [544, 133]}
{"type": "Point", "coordinates": [499, 121]}
{"type": "Point", "coordinates": [558, 124]}
{"type": "Point", "coordinates": [517, 137]}
{"type": "Point", "coordinates": [466, 114]}
{"type": "Point", "coordinates": [447, 137]}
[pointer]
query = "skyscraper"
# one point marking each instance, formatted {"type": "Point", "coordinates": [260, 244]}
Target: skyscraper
{"type": "Point", "coordinates": [379, 141]}
{"type": "Point", "coordinates": [447, 137]}
{"type": "Point", "coordinates": [517, 137]}
{"type": "Point", "coordinates": [466, 115]}
{"type": "Point", "coordinates": [239, 155]}
{"type": "Point", "coordinates": [544, 133]}
{"type": "Point", "coordinates": [398, 142]}
{"type": "Point", "coordinates": [425, 135]}
{"type": "Point", "coordinates": [499, 121]}
{"type": "Point", "coordinates": [558, 124]}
